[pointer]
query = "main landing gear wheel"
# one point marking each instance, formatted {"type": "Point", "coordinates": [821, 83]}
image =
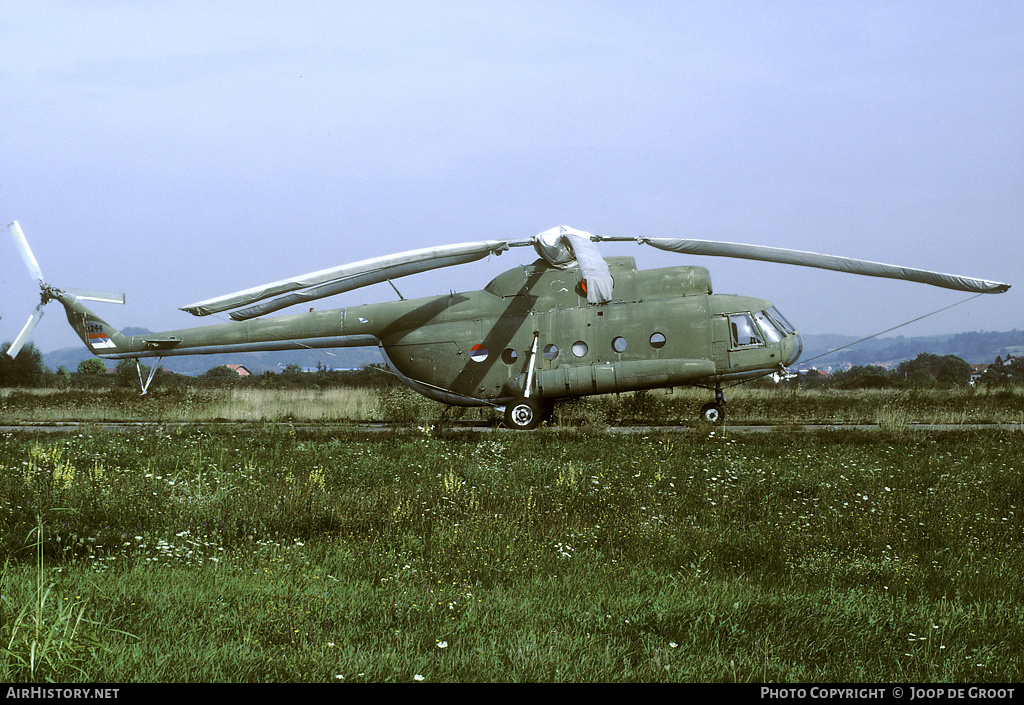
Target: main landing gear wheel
{"type": "Point", "coordinates": [712, 412]}
{"type": "Point", "coordinates": [524, 414]}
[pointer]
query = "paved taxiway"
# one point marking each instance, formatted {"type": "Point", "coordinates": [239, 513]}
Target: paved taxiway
{"type": "Point", "coordinates": [479, 427]}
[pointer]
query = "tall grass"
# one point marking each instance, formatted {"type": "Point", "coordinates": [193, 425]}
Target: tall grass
{"type": "Point", "coordinates": [569, 555]}
{"type": "Point", "coordinates": [42, 635]}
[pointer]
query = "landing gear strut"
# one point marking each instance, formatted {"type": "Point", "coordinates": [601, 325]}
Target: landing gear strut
{"type": "Point", "coordinates": [714, 412]}
{"type": "Point", "coordinates": [525, 413]}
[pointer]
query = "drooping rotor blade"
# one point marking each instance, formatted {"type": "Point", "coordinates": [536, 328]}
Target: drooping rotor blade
{"type": "Point", "coordinates": [561, 246]}
{"type": "Point", "coordinates": [820, 261]}
{"type": "Point", "coordinates": [26, 252]}
{"type": "Point", "coordinates": [357, 274]}
{"type": "Point", "coordinates": [354, 281]}
{"type": "Point", "coordinates": [26, 331]}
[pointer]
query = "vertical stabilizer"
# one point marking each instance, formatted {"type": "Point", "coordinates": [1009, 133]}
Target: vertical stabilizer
{"type": "Point", "coordinates": [99, 336]}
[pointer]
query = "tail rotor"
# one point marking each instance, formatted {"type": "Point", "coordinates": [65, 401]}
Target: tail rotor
{"type": "Point", "coordinates": [47, 292]}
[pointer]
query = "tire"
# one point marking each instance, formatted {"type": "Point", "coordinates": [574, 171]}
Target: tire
{"type": "Point", "coordinates": [524, 414]}
{"type": "Point", "coordinates": [712, 412]}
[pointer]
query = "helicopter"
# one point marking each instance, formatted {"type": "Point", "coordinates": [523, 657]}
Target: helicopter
{"type": "Point", "coordinates": [570, 324]}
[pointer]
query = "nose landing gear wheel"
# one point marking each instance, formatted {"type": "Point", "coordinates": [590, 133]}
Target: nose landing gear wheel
{"type": "Point", "coordinates": [712, 412]}
{"type": "Point", "coordinates": [524, 414]}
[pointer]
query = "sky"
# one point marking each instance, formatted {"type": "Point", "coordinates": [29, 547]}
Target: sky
{"type": "Point", "coordinates": [176, 151]}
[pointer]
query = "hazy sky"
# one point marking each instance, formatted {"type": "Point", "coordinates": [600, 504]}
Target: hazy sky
{"type": "Point", "coordinates": [181, 150]}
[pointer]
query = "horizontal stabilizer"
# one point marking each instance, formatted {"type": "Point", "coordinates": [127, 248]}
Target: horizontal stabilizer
{"type": "Point", "coordinates": [161, 343]}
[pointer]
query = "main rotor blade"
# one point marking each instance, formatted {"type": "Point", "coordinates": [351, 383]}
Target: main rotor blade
{"type": "Point", "coordinates": [26, 252]}
{"type": "Point", "coordinates": [361, 273]}
{"type": "Point", "coordinates": [820, 261]}
{"type": "Point", "coordinates": [348, 283]}
{"type": "Point", "coordinates": [26, 331]}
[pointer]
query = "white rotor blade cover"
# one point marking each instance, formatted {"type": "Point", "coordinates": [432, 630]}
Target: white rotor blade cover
{"type": "Point", "coordinates": [564, 247]}
{"type": "Point", "coordinates": [554, 245]}
{"type": "Point", "coordinates": [374, 270]}
{"type": "Point", "coordinates": [820, 261]}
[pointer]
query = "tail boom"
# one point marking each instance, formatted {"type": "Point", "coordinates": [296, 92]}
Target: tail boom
{"type": "Point", "coordinates": [323, 329]}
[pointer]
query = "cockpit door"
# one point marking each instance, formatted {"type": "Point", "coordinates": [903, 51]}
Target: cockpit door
{"type": "Point", "coordinates": [721, 341]}
{"type": "Point", "coordinates": [744, 342]}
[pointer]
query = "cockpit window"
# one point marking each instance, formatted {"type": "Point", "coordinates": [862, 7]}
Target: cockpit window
{"type": "Point", "coordinates": [784, 325]}
{"type": "Point", "coordinates": [744, 332]}
{"type": "Point", "coordinates": [772, 330]}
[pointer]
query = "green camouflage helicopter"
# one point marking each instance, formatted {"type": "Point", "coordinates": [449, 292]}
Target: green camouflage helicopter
{"type": "Point", "coordinates": [571, 324]}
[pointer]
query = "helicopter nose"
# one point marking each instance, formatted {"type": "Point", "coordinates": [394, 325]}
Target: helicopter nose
{"type": "Point", "coordinates": [796, 349]}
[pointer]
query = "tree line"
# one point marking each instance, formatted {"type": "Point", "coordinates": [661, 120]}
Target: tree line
{"type": "Point", "coordinates": [29, 371]}
{"type": "Point", "coordinates": [926, 371]}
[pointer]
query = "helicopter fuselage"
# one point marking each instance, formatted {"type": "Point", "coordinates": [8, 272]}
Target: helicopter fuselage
{"type": "Point", "coordinates": [664, 328]}
{"type": "Point", "coordinates": [530, 332]}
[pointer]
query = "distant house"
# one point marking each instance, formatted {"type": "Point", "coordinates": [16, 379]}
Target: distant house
{"type": "Point", "coordinates": [240, 370]}
{"type": "Point", "coordinates": [977, 371]}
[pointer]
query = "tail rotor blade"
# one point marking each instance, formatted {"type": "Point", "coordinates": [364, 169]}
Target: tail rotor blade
{"type": "Point", "coordinates": [107, 297]}
{"type": "Point", "coordinates": [23, 336]}
{"type": "Point", "coordinates": [26, 252]}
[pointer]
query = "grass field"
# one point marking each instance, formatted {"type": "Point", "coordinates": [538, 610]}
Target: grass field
{"type": "Point", "coordinates": [778, 406]}
{"type": "Point", "coordinates": [567, 554]}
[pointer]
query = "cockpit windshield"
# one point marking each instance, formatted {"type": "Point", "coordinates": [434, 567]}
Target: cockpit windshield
{"type": "Point", "coordinates": [759, 327]}
{"type": "Point", "coordinates": [772, 330]}
{"type": "Point", "coordinates": [785, 326]}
